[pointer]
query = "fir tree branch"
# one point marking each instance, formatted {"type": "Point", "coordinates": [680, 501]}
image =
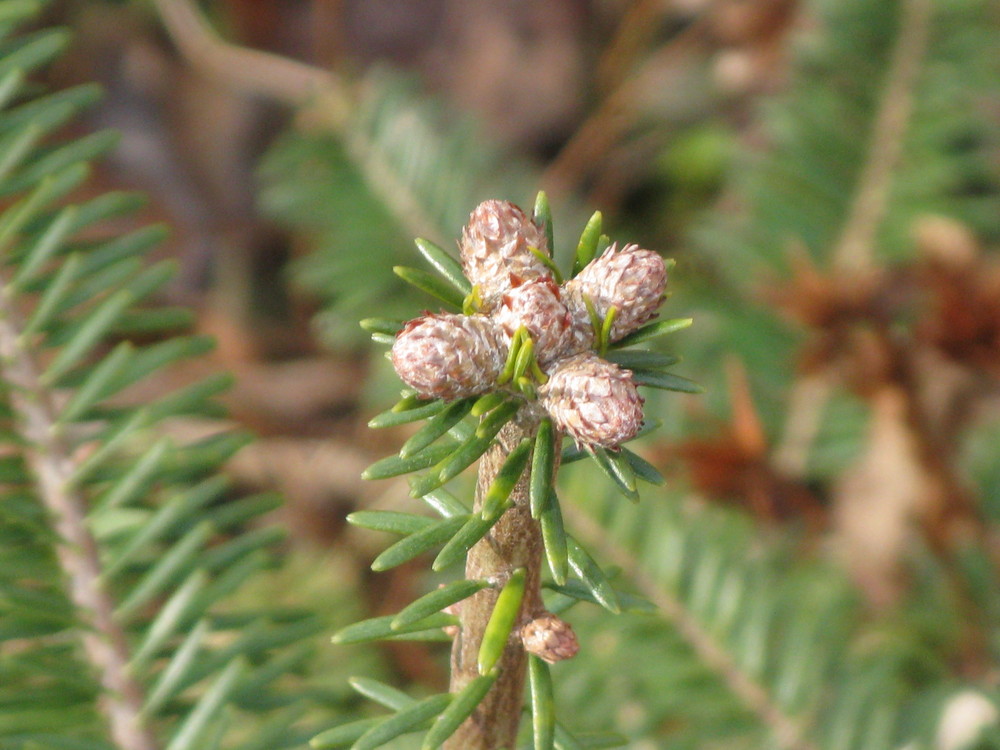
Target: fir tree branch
{"type": "Point", "coordinates": [514, 542]}
{"type": "Point", "coordinates": [854, 250]}
{"type": "Point", "coordinates": [788, 732]}
{"type": "Point", "coordinates": [52, 462]}
{"type": "Point", "coordinates": [393, 192]}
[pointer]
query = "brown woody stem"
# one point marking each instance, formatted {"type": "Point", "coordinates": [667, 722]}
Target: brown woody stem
{"type": "Point", "coordinates": [514, 542]}
{"type": "Point", "coordinates": [53, 463]}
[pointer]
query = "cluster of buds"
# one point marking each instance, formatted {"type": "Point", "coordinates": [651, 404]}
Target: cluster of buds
{"type": "Point", "coordinates": [523, 315]}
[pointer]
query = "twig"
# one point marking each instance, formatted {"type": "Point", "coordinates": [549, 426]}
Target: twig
{"type": "Point", "coordinates": [638, 25]}
{"type": "Point", "coordinates": [329, 99]}
{"type": "Point", "coordinates": [394, 193]}
{"type": "Point", "coordinates": [52, 462]}
{"type": "Point", "coordinates": [854, 250]}
{"type": "Point", "coordinates": [614, 114]}
{"type": "Point", "coordinates": [514, 542]}
{"type": "Point", "coordinates": [250, 71]}
{"type": "Point", "coordinates": [788, 733]}
{"type": "Point", "coordinates": [806, 402]}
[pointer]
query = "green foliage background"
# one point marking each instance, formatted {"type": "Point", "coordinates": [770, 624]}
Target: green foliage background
{"type": "Point", "coordinates": [759, 638]}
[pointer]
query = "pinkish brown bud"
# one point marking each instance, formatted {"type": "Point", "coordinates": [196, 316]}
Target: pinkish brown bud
{"type": "Point", "coordinates": [495, 245]}
{"type": "Point", "coordinates": [537, 306]}
{"type": "Point", "coordinates": [593, 401]}
{"type": "Point", "coordinates": [549, 638]}
{"type": "Point", "coordinates": [631, 279]}
{"type": "Point", "coordinates": [449, 356]}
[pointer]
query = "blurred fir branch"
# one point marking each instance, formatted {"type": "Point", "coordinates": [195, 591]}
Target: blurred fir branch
{"type": "Point", "coordinates": [403, 166]}
{"type": "Point", "coordinates": [756, 645]}
{"type": "Point", "coordinates": [822, 173]}
{"type": "Point", "coordinates": [800, 189]}
{"type": "Point", "coordinates": [885, 128]}
{"type": "Point", "coordinates": [368, 166]}
{"type": "Point", "coordinates": [119, 547]}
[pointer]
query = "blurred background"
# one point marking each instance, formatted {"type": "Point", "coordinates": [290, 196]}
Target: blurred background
{"type": "Point", "coordinates": [824, 554]}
